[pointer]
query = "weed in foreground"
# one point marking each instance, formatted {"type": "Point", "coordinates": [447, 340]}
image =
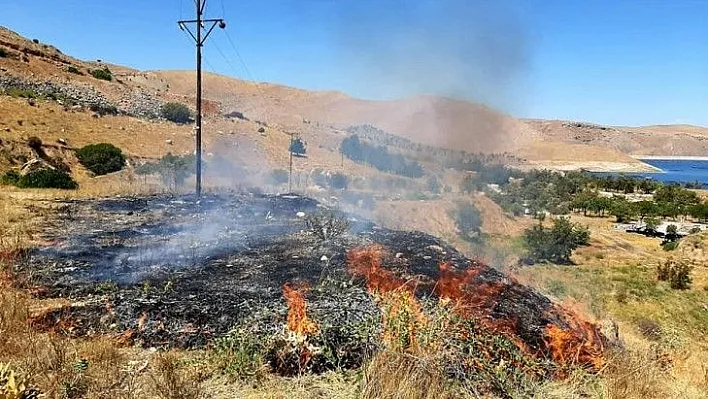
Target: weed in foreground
{"type": "Point", "coordinates": [169, 381]}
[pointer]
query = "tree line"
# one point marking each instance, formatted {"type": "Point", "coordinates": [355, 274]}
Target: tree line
{"type": "Point", "coordinates": [379, 157]}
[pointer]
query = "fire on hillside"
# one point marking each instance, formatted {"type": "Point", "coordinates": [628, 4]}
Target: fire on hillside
{"type": "Point", "coordinates": [166, 271]}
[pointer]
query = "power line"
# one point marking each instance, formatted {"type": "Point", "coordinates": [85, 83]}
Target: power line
{"type": "Point", "coordinates": [238, 54]}
{"type": "Point", "coordinates": [226, 59]}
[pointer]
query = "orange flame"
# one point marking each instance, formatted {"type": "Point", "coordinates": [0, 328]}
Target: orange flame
{"type": "Point", "coordinates": [297, 319]}
{"type": "Point", "coordinates": [579, 344]}
{"type": "Point", "coordinates": [366, 263]}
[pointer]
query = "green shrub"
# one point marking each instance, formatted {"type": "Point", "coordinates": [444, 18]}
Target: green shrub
{"type": "Point", "coordinates": [47, 178]}
{"type": "Point", "coordinates": [74, 70]}
{"type": "Point", "coordinates": [102, 74]}
{"type": "Point", "coordinates": [239, 355]}
{"type": "Point", "coordinates": [694, 230]}
{"type": "Point", "coordinates": [677, 273]}
{"type": "Point", "coordinates": [3, 53]}
{"type": "Point", "coordinates": [669, 245]}
{"type": "Point", "coordinates": [9, 178]}
{"type": "Point", "coordinates": [176, 112]}
{"type": "Point", "coordinates": [101, 158]}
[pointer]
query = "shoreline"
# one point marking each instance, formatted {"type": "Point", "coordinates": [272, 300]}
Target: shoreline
{"type": "Point", "coordinates": [670, 157]}
{"type": "Point", "coordinates": [599, 166]}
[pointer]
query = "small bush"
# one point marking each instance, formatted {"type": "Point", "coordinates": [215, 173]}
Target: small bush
{"type": "Point", "coordinates": [3, 53]}
{"type": "Point", "coordinates": [47, 178]}
{"type": "Point", "coordinates": [239, 355]}
{"type": "Point", "coordinates": [650, 329]}
{"type": "Point", "coordinates": [169, 382]}
{"type": "Point", "coordinates": [694, 230]}
{"type": "Point", "coordinates": [35, 41]}
{"type": "Point", "coordinates": [434, 185]}
{"type": "Point", "coordinates": [176, 112]}
{"type": "Point", "coordinates": [11, 385]}
{"type": "Point", "coordinates": [102, 74]}
{"type": "Point", "coordinates": [9, 178]}
{"type": "Point", "coordinates": [103, 110]}
{"type": "Point", "coordinates": [669, 245]}
{"type": "Point", "coordinates": [74, 70]}
{"type": "Point", "coordinates": [35, 143]}
{"type": "Point", "coordinates": [101, 158]}
{"type": "Point", "coordinates": [326, 224]}
{"type": "Point", "coordinates": [21, 93]}
{"type": "Point", "coordinates": [677, 273]}
{"type": "Point", "coordinates": [468, 221]}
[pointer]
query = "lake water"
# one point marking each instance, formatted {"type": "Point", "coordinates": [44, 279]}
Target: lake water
{"type": "Point", "coordinates": [679, 171]}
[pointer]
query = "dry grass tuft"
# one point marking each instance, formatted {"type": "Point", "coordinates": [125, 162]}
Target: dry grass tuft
{"type": "Point", "coordinates": [14, 326]}
{"type": "Point", "coordinates": [636, 375]}
{"type": "Point", "coordinates": [396, 375]}
{"type": "Point", "coordinates": [170, 381]}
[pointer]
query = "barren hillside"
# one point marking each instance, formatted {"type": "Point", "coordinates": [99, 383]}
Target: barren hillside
{"type": "Point", "coordinates": [319, 117]}
{"type": "Point", "coordinates": [667, 140]}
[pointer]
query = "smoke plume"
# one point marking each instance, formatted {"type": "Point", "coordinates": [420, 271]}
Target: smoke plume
{"type": "Point", "coordinates": [470, 49]}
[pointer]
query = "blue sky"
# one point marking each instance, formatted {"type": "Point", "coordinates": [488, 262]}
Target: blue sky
{"type": "Point", "coordinates": [628, 62]}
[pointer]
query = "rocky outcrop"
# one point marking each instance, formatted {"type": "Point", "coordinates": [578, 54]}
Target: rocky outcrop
{"type": "Point", "coordinates": [136, 103]}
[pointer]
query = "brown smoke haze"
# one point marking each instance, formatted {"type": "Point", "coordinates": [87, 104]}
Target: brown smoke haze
{"type": "Point", "coordinates": [474, 50]}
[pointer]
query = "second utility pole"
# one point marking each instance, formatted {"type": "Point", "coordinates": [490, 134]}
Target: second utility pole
{"type": "Point", "coordinates": [201, 4]}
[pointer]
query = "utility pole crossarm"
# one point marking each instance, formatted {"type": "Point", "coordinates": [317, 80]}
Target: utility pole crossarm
{"type": "Point", "coordinates": [199, 40]}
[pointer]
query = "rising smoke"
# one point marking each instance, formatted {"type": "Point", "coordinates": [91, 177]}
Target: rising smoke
{"type": "Point", "coordinates": [470, 49]}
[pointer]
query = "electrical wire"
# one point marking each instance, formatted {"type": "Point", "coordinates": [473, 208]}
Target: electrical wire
{"type": "Point", "coordinates": [238, 54]}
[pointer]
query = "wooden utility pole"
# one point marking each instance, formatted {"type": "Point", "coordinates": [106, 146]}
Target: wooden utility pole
{"type": "Point", "coordinates": [290, 175]}
{"type": "Point", "coordinates": [199, 40]}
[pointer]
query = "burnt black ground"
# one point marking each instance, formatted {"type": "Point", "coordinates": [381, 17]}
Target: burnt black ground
{"type": "Point", "coordinates": [199, 269]}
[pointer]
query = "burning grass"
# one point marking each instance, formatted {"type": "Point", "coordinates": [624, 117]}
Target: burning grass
{"type": "Point", "coordinates": [569, 341]}
{"type": "Point", "coordinates": [456, 327]}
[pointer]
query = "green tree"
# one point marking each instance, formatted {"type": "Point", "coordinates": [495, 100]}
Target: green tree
{"type": "Point", "coordinates": [645, 208]}
{"type": "Point", "coordinates": [622, 210]}
{"type": "Point", "coordinates": [652, 223]}
{"type": "Point", "coordinates": [557, 243]}
{"type": "Point", "coordinates": [297, 146]}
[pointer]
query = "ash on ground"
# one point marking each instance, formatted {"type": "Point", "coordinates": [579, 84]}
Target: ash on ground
{"type": "Point", "coordinates": [175, 271]}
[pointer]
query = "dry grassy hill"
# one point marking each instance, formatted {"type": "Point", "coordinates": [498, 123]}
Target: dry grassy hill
{"type": "Point", "coordinates": [317, 116]}
{"type": "Point", "coordinates": [666, 140]}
